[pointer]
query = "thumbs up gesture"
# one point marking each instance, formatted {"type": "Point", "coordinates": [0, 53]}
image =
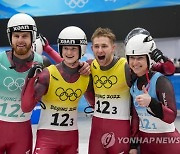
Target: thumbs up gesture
{"type": "Point", "coordinates": [144, 99]}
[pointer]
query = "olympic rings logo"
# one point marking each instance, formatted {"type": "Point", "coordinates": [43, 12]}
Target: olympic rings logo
{"type": "Point", "coordinates": [76, 3]}
{"type": "Point", "coordinates": [12, 84]}
{"type": "Point", "coordinates": [105, 81]}
{"type": "Point", "coordinates": [68, 94]}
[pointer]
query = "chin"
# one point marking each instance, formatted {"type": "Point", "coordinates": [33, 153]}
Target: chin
{"type": "Point", "coordinates": [101, 63]}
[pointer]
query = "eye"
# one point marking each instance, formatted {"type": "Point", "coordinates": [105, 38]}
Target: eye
{"type": "Point", "coordinates": [131, 57]}
{"type": "Point", "coordinates": [96, 46]}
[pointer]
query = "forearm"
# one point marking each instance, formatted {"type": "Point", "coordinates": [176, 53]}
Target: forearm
{"type": "Point", "coordinates": [89, 94]}
{"type": "Point", "coordinates": [166, 68]}
{"type": "Point", "coordinates": [28, 101]}
{"type": "Point", "coordinates": [161, 111]}
{"type": "Point", "coordinates": [52, 53]}
{"type": "Point", "coordinates": [90, 98]}
{"type": "Point", "coordinates": [169, 115]}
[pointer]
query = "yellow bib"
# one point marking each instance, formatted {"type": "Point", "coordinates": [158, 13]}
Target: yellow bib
{"type": "Point", "coordinates": [112, 98]}
{"type": "Point", "coordinates": [61, 93]}
{"type": "Point", "coordinates": [61, 101]}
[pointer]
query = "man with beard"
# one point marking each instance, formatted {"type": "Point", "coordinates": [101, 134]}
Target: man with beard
{"type": "Point", "coordinates": [15, 126]}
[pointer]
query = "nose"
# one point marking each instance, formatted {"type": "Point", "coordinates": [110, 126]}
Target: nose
{"type": "Point", "coordinates": [20, 39]}
{"type": "Point", "coordinates": [100, 49]}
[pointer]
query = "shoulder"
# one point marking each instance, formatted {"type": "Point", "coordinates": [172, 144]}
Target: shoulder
{"type": "Point", "coordinates": [163, 81]}
{"type": "Point", "coordinates": [46, 61]}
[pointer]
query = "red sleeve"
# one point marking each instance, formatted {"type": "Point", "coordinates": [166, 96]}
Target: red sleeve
{"type": "Point", "coordinates": [134, 122]}
{"type": "Point", "coordinates": [27, 96]}
{"type": "Point", "coordinates": [52, 53]}
{"type": "Point", "coordinates": [166, 68]}
{"type": "Point", "coordinates": [167, 97]}
{"type": "Point", "coordinates": [134, 127]}
{"type": "Point", "coordinates": [165, 107]}
{"type": "Point", "coordinates": [89, 94]}
{"type": "Point", "coordinates": [33, 90]}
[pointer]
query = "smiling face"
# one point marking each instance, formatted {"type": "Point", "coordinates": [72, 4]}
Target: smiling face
{"type": "Point", "coordinates": [71, 55]}
{"type": "Point", "coordinates": [138, 64]}
{"type": "Point", "coordinates": [103, 49]}
{"type": "Point", "coordinates": [21, 43]}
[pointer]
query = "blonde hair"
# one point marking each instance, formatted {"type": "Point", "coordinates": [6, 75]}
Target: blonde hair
{"type": "Point", "coordinates": [104, 32]}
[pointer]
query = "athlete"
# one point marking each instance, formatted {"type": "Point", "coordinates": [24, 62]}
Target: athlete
{"type": "Point", "coordinates": [15, 126]}
{"type": "Point", "coordinates": [161, 63]}
{"type": "Point", "coordinates": [111, 81]}
{"type": "Point", "coordinates": [154, 106]}
{"type": "Point", "coordinates": [60, 88]}
{"type": "Point", "coordinates": [41, 45]}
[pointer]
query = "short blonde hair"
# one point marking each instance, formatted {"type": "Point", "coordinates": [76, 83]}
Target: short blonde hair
{"type": "Point", "coordinates": [104, 32]}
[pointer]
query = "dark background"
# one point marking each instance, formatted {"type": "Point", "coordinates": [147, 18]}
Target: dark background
{"type": "Point", "coordinates": [161, 22]}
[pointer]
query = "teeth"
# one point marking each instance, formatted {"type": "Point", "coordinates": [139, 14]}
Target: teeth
{"type": "Point", "coordinates": [136, 67]}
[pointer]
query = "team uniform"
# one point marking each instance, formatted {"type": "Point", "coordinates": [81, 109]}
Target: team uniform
{"type": "Point", "coordinates": [57, 128]}
{"type": "Point", "coordinates": [111, 119]}
{"type": "Point", "coordinates": [59, 87]}
{"type": "Point", "coordinates": [15, 126]}
{"type": "Point", "coordinates": [156, 132]}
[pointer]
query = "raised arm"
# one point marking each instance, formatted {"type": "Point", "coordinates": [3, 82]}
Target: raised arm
{"type": "Point", "coordinates": [163, 64]}
{"type": "Point", "coordinates": [49, 50]}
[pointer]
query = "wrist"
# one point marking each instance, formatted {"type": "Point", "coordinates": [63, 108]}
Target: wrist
{"type": "Point", "coordinates": [165, 59]}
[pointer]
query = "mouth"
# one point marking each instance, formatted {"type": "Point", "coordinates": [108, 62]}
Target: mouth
{"type": "Point", "coordinates": [20, 46]}
{"type": "Point", "coordinates": [69, 57]}
{"type": "Point", "coordinates": [137, 68]}
{"type": "Point", "coordinates": [101, 57]}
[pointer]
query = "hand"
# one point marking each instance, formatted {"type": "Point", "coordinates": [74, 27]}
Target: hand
{"type": "Point", "coordinates": [133, 151]}
{"type": "Point", "coordinates": [84, 69]}
{"type": "Point", "coordinates": [144, 99]}
{"type": "Point", "coordinates": [36, 69]}
{"type": "Point", "coordinates": [44, 41]}
{"type": "Point", "coordinates": [157, 55]}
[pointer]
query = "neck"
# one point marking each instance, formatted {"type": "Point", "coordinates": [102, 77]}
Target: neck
{"type": "Point", "coordinates": [111, 64]}
{"type": "Point", "coordinates": [69, 70]}
{"type": "Point", "coordinates": [23, 59]}
{"type": "Point", "coordinates": [72, 65]}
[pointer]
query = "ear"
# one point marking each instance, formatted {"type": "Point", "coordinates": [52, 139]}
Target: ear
{"type": "Point", "coordinates": [114, 46]}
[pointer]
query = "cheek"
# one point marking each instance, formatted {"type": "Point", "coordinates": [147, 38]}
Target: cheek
{"type": "Point", "coordinates": [13, 41]}
{"type": "Point", "coordinates": [63, 53]}
{"type": "Point", "coordinates": [95, 51]}
{"type": "Point", "coordinates": [130, 63]}
{"type": "Point", "coordinates": [145, 65]}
